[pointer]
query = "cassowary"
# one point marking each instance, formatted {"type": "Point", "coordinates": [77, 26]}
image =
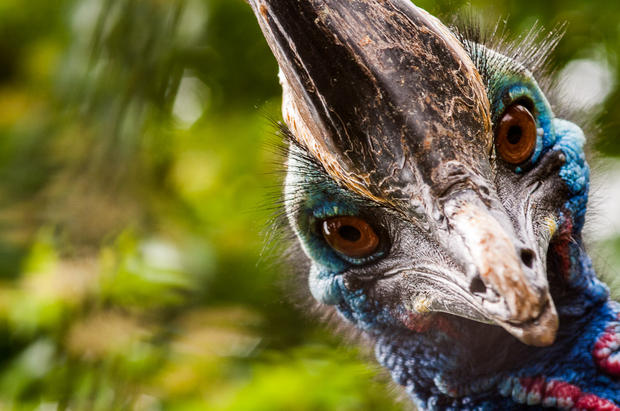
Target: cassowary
{"type": "Point", "coordinates": [440, 203]}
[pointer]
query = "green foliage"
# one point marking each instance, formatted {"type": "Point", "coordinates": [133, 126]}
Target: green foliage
{"type": "Point", "coordinates": [136, 181]}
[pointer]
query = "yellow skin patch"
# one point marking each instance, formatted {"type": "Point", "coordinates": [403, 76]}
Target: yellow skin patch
{"type": "Point", "coordinates": [422, 304]}
{"type": "Point", "coordinates": [552, 226]}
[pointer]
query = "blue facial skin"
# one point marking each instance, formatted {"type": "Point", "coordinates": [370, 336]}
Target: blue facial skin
{"type": "Point", "coordinates": [428, 370]}
{"type": "Point", "coordinates": [558, 135]}
{"type": "Point", "coordinates": [323, 199]}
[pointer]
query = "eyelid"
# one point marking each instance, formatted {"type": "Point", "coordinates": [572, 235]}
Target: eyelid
{"type": "Point", "coordinates": [327, 209]}
{"type": "Point", "coordinates": [519, 91]}
{"type": "Point", "coordinates": [323, 213]}
{"type": "Point", "coordinates": [365, 260]}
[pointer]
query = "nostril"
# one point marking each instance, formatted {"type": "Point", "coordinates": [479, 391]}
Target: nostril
{"type": "Point", "coordinates": [527, 256]}
{"type": "Point", "coordinates": [477, 286]}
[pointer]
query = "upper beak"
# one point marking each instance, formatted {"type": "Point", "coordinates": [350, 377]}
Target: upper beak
{"type": "Point", "coordinates": [506, 277]}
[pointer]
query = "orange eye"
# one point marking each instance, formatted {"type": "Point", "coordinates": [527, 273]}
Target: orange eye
{"type": "Point", "coordinates": [515, 138]}
{"type": "Point", "coordinates": [350, 236]}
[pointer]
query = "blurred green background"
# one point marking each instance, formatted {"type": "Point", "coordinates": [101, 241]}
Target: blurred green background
{"type": "Point", "coordinates": [137, 177]}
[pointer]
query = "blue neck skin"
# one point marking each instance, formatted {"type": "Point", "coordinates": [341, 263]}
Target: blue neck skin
{"type": "Point", "coordinates": [443, 371]}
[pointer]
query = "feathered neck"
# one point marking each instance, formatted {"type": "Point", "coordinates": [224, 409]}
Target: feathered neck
{"type": "Point", "coordinates": [460, 364]}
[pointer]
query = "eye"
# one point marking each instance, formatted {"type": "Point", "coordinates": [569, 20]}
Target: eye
{"type": "Point", "coordinates": [350, 236]}
{"type": "Point", "coordinates": [515, 138]}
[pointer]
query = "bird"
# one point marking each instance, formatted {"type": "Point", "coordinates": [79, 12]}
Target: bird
{"type": "Point", "coordinates": [439, 202]}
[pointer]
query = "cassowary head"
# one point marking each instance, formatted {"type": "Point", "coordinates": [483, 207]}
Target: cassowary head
{"type": "Point", "coordinates": [427, 176]}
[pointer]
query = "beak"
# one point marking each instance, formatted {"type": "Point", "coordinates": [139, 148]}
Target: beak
{"type": "Point", "coordinates": [507, 279]}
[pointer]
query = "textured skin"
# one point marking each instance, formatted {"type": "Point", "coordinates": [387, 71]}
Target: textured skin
{"type": "Point", "coordinates": [392, 119]}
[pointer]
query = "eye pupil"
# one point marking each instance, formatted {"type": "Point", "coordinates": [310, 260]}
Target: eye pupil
{"type": "Point", "coordinates": [514, 134]}
{"type": "Point", "coordinates": [350, 233]}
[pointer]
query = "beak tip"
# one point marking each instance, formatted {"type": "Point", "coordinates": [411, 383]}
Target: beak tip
{"type": "Point", "coordinates": [541, 332]}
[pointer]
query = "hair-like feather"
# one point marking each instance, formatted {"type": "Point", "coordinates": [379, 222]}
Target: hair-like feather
{"type": "Point", "coordinates": [531, 50]}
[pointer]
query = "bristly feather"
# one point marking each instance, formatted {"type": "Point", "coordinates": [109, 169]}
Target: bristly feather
{"type": "Point", "coordinates": [281, 245]}
{"type": "Point", "coordinates": [284, 147]}
{"type": "Point", "coordinates": [280, 242]}
{"type": "Point", "coordinates": [495, 50]}
{"type": "Point", "coordinates": [532, 50]}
